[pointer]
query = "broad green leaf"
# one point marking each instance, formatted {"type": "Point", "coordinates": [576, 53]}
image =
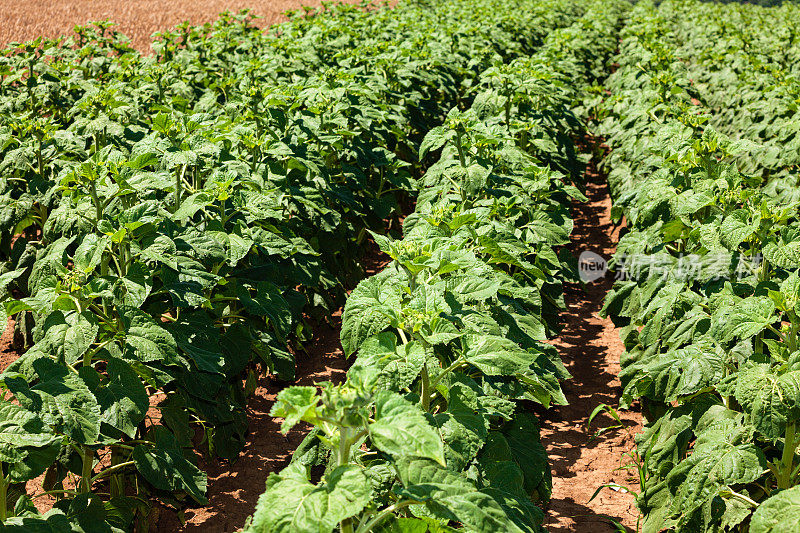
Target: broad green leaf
{"type": "Point", "coordinates": [743, 320]}
{"type": "Point", "coordinates": [145, 340]}
{"type": "Point", "coordinates": [292, 504]}
{"type": "Point", "coordinates": [496, 356]}
{"type": "Point", "coordinates": [401, 429]}
{"type": "Point", "coordinates": [713, 467]}
{"type": "Point", "coordinates": [768, 399]}
{"type": "Point", "coordinates": [362, 317]}
{"type": "Point", "coordinates": [122, 397]}
{"type": "Point", "coordinates": [399, 366]}
{"type": "Point", "coordinates": [20, 430]}
{"type": "Point", "coordinates": [62, 400]}
{"type": "Point", "coordinates": [69, 335]}
{"type": "Point", "coordinates": [463, 427]}
{"type": "Point", "coordinates": [164, 466]}
{"type": "Point", "coordinates": [783, 255]}
{"type": "Point", "coordinates": [780, 513]}
{"type": "Point", "coordinates": [452, 496]}
{"type": "Point", "coordinates": [294, 404]}
{"type": "Point", "coordinates": [735, 228]}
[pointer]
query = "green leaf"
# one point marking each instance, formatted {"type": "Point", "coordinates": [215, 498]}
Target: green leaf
{"type": "Point", "coordinates": [362, 316]}
{"type": "Point", "coordinates": [122, 397]}
{"type": "Point", "coordinates": [735, 228]}
{"type": "Point", "coordinates": [197, 336]}
{"type": "Point", "coordinates": [463, 427]}
{"type": "Point", "coordinates": [20, 430]}
{"type": "Point", "coordinates": [145, 340]}
{"type": "Point", "coordinates": [164, 466]}
{"type": "Point", "coordinates": [451, 496]}
{"type": "Point", "coordinates": [62, 400]}
{"type": "Point", "coordinates": [89, 253]}
{"type": "Point", "coordinates": [294, 404]}
{"type": "Point", "coordinates": [780, 513]}
{"type": "Point", "coordinates": [401, 429]}
{"type": "Point", "coordinates": [135, 287]}
{"type": "Point", "coordinates": [747, 318]}
{"type": "Point", "coordinates": [496, 356]}
{"type": "Point", "coordinates": [69, 335]}
{"type": "Point", "coordinates": [268, 301]}
{"type": "Point", "coordinates": [676, 373]}
{"type": "Point", "coordinates": [399, 366]}
{"type": "Point", "coordinates": [768, 399]}
{"type": "Point", "coordinates": [783, 255]}
{"type": "Point", "coordinates": [527, 451]}
{"type": "Point", "coordinates": [292, 504]}
{"type": "Point", "coordinates": [712, 467]}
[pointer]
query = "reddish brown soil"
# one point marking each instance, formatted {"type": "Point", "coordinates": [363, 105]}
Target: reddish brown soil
{"type": "Point", "coordinates": [590, 347]}
{"type": "Point", "coordinates": [138, 19]}
{"type": "Point", "coordinates": [7, 353]}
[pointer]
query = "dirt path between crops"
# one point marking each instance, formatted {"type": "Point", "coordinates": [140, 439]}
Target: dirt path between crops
{"type": "Point", "coordinates": [234, 488]}
{"type": "Point", "coordinates": [590, 348]}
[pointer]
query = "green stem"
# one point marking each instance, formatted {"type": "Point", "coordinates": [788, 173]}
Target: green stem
{"type": "Point", "coordinates": [402, 336]}
{"type": "Point", "coordinates": [346, 526]}
{"type": "Point", "coordinates": [111, 470]}
{"type": "Point", "coordinates": [86, 471]}
{"type": "Point", "coordinates": [3, 496]}
{"type": "Point", "coordinates": [741, 497]}
{"type": "Point", "coordinates": [98, 207]}
{"type": "Point", "coordinates": [789, 446]}
{"type": "Point", "coordinates": [51, 492]}
{"type": "Point", "coordinates": [425, 393]}
{"type": "Point", "coordinates": [460, 149]}
{"type": "Point", "coordinates": [117, 482]}
{"type": "Point", "coordinates": [178, 186]}
{"type": "Point", "coordinates": [344, 446]}
{"type": "Point", "coordinates": [450, 368]}
{"type": "Point", "coordinates": [383, 515]}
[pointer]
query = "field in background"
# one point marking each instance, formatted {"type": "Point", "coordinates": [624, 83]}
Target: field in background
{"type": "Point", "coordinates": [138, 19]}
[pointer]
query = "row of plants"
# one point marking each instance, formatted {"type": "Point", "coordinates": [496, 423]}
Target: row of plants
{"type": "Point", "coordinates": [746, 77]}
{"type": "Point", "coordinates": [709, 290]}
{"type": "Point", "coordinates": [173, 224]}
{"type": "Point", "coordinates": [432, 428]}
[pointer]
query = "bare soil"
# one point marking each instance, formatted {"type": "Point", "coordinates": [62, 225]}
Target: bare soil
{"type": "Point", "coordinates": [7, 353]}
{"type": "Point", "coordinates": [590, 348]}
{"type": "Point", "coordinates": [138, 19]}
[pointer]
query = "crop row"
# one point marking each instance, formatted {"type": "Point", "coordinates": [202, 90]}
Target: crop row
{"type": "Point", "coordinates": [172, 225]}
{"type": "Point", "coordinates": [701, 124]}
{"type": "Point", "coordinates": [432, 424]}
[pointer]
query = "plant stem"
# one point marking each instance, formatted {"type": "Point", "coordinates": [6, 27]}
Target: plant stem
{"type": "Point", "coordinates": [344, 446]}
{"type": "Point", "coordinates": [425, 394]}
{"type": "Point", "coordinates": [789, 446]}
{"type": "Point", "coordinates": [402, 336]}
{"type": "Point", "coordinates": [3, 496]}
{"type": "Point", "coordinates": [383, 515]}
{"type": "Point", "coordinates": [98, 206]}
{"type": "Point", "coordinates": [86, 471]}
{"type": "Point", "coordinates": [346, 526]}
{"type": "Point", "coordinates": [111, 470]}
{"type": "Point", "coordinates": [460, 149]}
{"type": "Point", "coordinates": [742, 498]}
